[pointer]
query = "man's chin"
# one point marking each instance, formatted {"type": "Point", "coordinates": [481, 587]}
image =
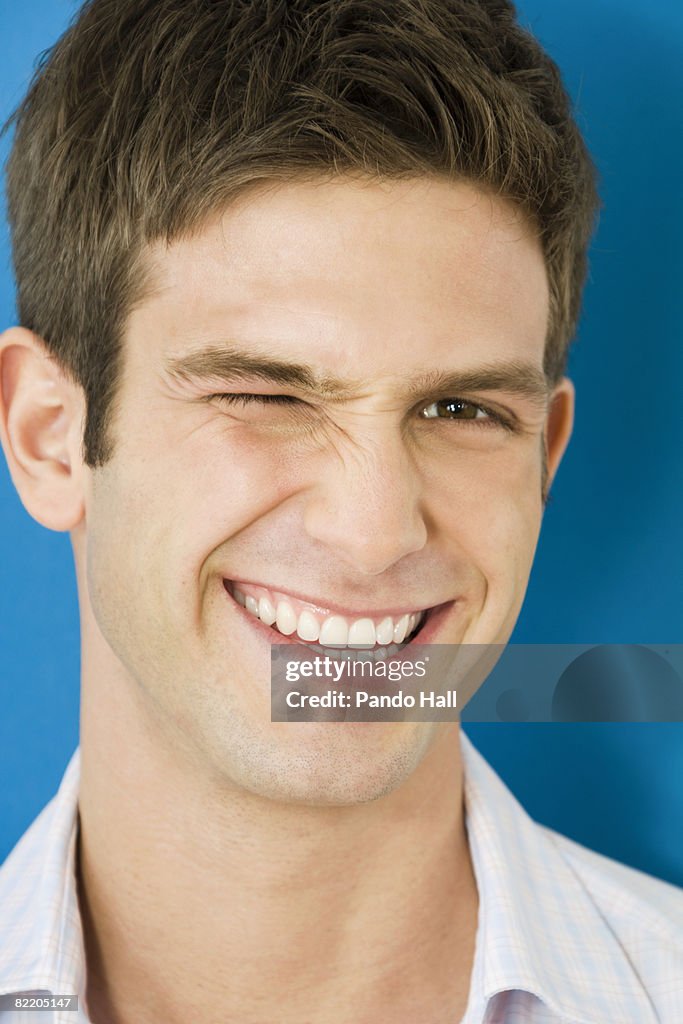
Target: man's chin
{"type": "Point", "coordinates": [327, 764]}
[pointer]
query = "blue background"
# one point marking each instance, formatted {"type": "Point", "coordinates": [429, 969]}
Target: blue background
{"type": "Point", "coordinates": [610, 562]}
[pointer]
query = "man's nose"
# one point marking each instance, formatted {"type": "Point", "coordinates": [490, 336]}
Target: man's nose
{"type": "Point", "coordinates": [366, 507]}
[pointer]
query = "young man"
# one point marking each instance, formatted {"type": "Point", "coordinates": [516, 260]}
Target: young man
{"type": "Point", "coordinates": [296, 285]}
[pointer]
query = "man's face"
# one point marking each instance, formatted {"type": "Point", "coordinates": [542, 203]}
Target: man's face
{"type": "Point", "coordinates": [381, 486]}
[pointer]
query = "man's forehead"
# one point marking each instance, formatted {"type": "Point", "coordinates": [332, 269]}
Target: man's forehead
{"type": "Point", "coordinates": [288, 217]}
{"type": "Point", "coordinates": [291, 285]}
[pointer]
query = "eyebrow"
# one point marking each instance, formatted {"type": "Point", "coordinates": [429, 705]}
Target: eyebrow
{"type": "Point", "coordinates": [511, 376]}
{"type": "Point", "coordinates": [218, 365]}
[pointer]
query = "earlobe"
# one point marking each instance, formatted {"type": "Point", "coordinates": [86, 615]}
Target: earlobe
{"type": "Point", "coordinates": [41, 416]}
{"type": "Point", "coordinates": [558, 427]}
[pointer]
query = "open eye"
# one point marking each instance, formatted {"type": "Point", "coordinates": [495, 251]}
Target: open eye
{"type": "Point", "coordinates": [460, 410]}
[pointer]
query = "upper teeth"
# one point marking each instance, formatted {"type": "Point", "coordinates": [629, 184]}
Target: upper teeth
{"type": "Point", "coordinates": [289, 616]}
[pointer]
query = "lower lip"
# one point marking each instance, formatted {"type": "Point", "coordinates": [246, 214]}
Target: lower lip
{"type": "Point", "coordinates": [425, 635]}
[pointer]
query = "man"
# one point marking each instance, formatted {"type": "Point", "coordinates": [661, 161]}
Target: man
{"type": "Point", "coordinates": [296, 284]}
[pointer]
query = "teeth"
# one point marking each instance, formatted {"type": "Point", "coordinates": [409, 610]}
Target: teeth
{"type": "Point", "coordinates": [362, 633]}
{"type": "Point", "coordinates": [308, 627]}
{"type": "Point", "coordinates": [266, 611]}
{"type": "Point", "coordinates": [335, 630]}
{"type": "Point", "coordinates": [285, 618]}
{"type": "Point", "coordinates": [401, 628]}
{"type": "Point", "coordinates": [385, 631]}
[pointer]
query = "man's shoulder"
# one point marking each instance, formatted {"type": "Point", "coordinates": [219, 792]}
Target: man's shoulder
{"type": "Point", "coordinates": [640, 909]}
{"type": "Point", "coordinates": [635, 937]}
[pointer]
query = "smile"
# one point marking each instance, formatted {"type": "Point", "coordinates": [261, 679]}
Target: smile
{"type": "Point", "coordinates": [312, 623]}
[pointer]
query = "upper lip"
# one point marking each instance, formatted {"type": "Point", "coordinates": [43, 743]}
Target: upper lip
{"type": "Point", "coordinates": [331, 607]}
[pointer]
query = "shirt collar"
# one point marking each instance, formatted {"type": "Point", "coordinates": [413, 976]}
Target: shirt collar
{"type": "Point", "coordinates": [42, 945]}
{"type": "Point", "coordinates": [539, 928]}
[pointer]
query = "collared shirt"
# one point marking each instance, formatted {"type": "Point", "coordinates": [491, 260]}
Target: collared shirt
{"type": "Point", "coordinates": [564, 935]}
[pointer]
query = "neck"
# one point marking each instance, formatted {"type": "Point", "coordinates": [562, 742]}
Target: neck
{"type": "Point", "coordinates": [195, 895]}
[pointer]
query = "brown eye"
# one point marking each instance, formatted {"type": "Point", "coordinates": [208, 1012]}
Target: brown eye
{"type": "Point", "coordinates": [471, 414]}
{"type": "Point", "coordinates": [454, 409]}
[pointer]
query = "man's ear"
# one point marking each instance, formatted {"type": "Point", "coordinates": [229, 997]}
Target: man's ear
{"type": "Point", "coordinates": [41, 422]}
{"type": "Point", "coordinates": [558, 427]}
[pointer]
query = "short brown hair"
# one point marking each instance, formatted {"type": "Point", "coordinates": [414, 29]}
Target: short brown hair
{"type": "Point", "coordinates": [147, 116]}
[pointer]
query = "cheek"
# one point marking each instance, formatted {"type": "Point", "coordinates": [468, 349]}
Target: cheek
{"type": "Point", "coordinates": [127, 549]}
{"type": "Point", "coordinates": [512, 530]}
{"type": "Point", "coordinates": [160, 510]}
{"type": "Point", "coordinates": [489, 504]}
{"type": "Point", "coordinates": [228, 479]}
{"type": "Point", "coordinates": [511, 524]}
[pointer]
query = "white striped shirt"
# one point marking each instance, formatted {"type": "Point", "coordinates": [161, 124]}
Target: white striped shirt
{"type": "Point", "coordinates": [564, 936]}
